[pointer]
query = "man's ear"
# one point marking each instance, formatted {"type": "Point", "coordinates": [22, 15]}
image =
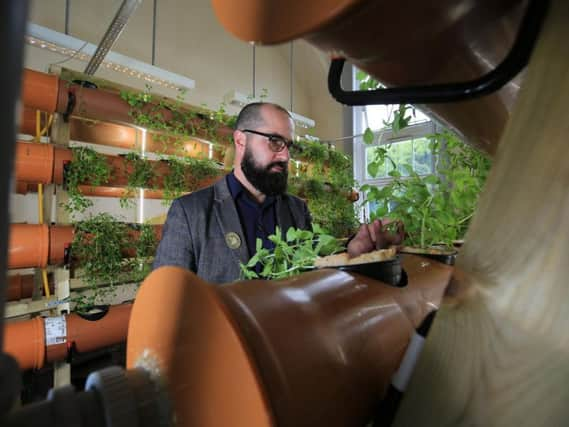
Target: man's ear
{"type": "Point", "coordinates": [239, 139]}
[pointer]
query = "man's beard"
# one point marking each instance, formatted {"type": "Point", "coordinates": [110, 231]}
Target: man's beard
{"type": "Point", "coordinates": [263, 179]}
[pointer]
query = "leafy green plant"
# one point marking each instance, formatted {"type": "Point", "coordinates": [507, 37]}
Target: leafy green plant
{"type": "Point", "coordinates": [173, 121]}
{"type": "Point", "coordinates": [292, 255]}
{"type": "Point", "coordinates": [435, 208]}
{"type": "Point", "coordinates": [142, 176]}
{"type": "Point", "coordinates": [326, 186]}
{"type": "Point", "coordinates": [87, 166]}
{"type": "Point", "coordinates": [145, 248]}
{"type": "Point", "coordinates": [186, 174]}
{"type": "Point", "coordinates": [110, 252]}
{"type": "Point", "coordinates": [98, 246]}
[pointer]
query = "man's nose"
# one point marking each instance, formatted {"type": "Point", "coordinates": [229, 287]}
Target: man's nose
{"type": "Point", "coordinates": [283, 155]}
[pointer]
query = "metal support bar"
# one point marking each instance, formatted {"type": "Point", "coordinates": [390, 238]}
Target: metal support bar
{"type": "Point", "coordinates": [112, 34]}
{"type": "Point", "coordinates": [514, 62]}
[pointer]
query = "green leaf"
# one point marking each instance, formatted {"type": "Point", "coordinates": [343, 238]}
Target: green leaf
{"type": "Point", "coordinates": [373, 169]}
{"type": "Point", "coordinates": [368, 136]}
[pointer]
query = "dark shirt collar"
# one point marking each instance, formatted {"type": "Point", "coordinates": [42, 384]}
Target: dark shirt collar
{"type": "Point", "coordinates": [237, 190]}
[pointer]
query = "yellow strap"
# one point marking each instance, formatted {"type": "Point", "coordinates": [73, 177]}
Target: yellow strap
{"type": "Point", "coordinates": [45, 282]}
{"type": "Point", "coordinates": [39, 133]}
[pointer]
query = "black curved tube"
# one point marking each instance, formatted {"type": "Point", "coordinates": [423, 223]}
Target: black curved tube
{"type": "Point", "coordinates": [515, 61]}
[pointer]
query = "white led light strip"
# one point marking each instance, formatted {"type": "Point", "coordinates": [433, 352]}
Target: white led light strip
{"type": "Point", "coordinates": [60, 43]}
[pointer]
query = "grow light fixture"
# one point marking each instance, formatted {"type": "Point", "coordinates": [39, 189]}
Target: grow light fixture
{"type": "Point", "coordinates": [72, 47]}
{"type": "Point", "coordinates": [239, 100]}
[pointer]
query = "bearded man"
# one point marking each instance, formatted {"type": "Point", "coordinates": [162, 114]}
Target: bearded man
{"type": "Point", "coordinates": [212, 230]}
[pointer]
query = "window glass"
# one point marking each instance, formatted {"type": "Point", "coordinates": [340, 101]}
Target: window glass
{"type": "Point", "coordinates": [412, 152]}
{"type": "Point", "coordinates": [376, 116]}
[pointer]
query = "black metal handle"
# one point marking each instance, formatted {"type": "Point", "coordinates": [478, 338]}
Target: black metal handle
{"type": "Point", "coordinates": [515, 61]}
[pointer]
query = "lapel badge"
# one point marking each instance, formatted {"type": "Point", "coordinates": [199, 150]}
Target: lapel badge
{"type": "Point", "coordinates": [233, 240]}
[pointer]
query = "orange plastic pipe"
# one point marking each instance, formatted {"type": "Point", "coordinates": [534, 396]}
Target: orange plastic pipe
{"type": "Point", "coordinates": [451, 41]}
{"type": "Point", "coordinates": [28, 121]}
{"type": "Point", "coordinates": [28, 245]}
{"type": "Point", "coordinates": [46, 92]}
{"type": "Point", "coordinates": [60, 239]}
{"type": "Point", "coordinates": [120, 136]}
{"type": "Point", "coordinates": [26, 340]}
{"type": "Point", "coordinates": [61, 157]}
{"type": "Point", "coordinates": [34, 162]}
{"type": "Point", "coordinates": [279, 352]}
{"type": "Point", "coordinates": [23, 187]}
{"type": "Point", "coordinates": [22, 286]}
{"type": "Point", "coordinates": [40, 91]}
{"type": "Point", "coordinates": [45, 163]}
{"type": "Point", "coordinates": [191, 345]}
{"type": "Point", "coordinates": [36, 245]}
{"type": "Point", "coordinates": [92, 191]}
{"type": "Point", "coordinates": [89, 335]}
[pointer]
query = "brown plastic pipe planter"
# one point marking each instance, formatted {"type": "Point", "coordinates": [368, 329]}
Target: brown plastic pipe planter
{"type": "Point", "coordinates": [40, 163]}
{"type": "Point", "coordinates": [120, 136]}
{"type": "Point", "coordinates": [26, 340]}
{"type": "Point", "coordinates": [37, 245]}
{"type": "Point", "coordinates": [48, 93]}
{"type": "Point", "coordinates": [451, 41]}
{"type": "Point", "coordinates": [22, 286]}
{"type": "Point", "coordinates": [316, 349]}
{"type": "Point", "coordinates": [45, 163]}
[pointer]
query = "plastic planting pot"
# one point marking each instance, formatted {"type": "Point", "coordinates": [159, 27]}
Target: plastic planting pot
{"type": "Point", "coordinates": [389, 271]}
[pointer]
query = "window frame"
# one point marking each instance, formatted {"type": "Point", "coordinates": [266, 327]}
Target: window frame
{"type": "Point", "coordinates": [384, 137]}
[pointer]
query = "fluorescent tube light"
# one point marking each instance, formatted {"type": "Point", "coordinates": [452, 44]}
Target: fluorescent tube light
{"type": "Point", "coordinates": [45, 38]}
{"type": "Point", "coordinates": [239, 100]}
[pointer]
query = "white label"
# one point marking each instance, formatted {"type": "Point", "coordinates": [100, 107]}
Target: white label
{"type": "Point", "coordinates": [55, 330]}
{"type": "Point", "coordinates": [403, 374]}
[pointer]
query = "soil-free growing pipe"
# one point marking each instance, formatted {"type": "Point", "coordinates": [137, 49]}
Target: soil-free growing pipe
{"type": "Point", "coordinates": [443, 47]}
{"type": "Point", "coordinates": [45, 163]}
{"type": "Point", "coordinates": [32, 345]}
{"type": "Point", "coordinates": [22, 286]}
{"type": "Point", "coordinates": [37, 245]}
{"type": "Point", "coordinates": [121, 136]}
{"type": "Point", "coordinates": [28, 245]}
{"type": "Point", "coordinates": [279, 352]}
{"type": "Point", "coordinates": [40, 163]}
{"type": "Point", "coordinates": [40, 90]}
{"type": "Point", "coordinates": [48, 93]}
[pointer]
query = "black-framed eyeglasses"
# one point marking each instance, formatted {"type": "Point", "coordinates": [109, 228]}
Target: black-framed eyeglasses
{"type": "Point", "coordinates": [277, 143]}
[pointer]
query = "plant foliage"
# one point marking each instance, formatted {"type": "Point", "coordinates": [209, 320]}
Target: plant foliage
{"type": "Point", "coordinates": [435, 207]}
{"type": "Point", "coordinates": [293, 254]}
{"type": "Point", "coordinates": [87, 166]}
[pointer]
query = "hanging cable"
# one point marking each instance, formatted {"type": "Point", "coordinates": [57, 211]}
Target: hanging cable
{"type": "Point", "coordinates": [291, 73]}
{"type": "Point", "coordinates": [253, 71]}
{"type": "Point", "coordinates": [154, 33]}
{"type": "Point", "coordinates": [67, 16]}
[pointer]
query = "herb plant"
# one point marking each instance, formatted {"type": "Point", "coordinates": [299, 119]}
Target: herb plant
{"type": "Point", "coordinates": [435, 207]}
{"type": "Point", "coordinates": [87, 166]}
{"type": "Point", "coordinates": [110, 252]}
{"type": "Point", "coordinates": [292, 255]}
{"type": "Point", "coordinates": [141, 176]}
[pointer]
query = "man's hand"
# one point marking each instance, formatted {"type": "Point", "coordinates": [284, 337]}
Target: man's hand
{"type": "Point", "coordinates": [373, 236]}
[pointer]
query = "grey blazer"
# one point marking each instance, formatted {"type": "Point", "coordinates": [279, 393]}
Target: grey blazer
{"type": "Point", "coordinates": [196, 229]}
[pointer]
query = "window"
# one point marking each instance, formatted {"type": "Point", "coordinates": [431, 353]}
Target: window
{"type": "Point", "coordinates": [375, 116]}
{"type": "Point", "coordinates": [409, 146]}
{"type": "Point", "coordinates": [414, 152]}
